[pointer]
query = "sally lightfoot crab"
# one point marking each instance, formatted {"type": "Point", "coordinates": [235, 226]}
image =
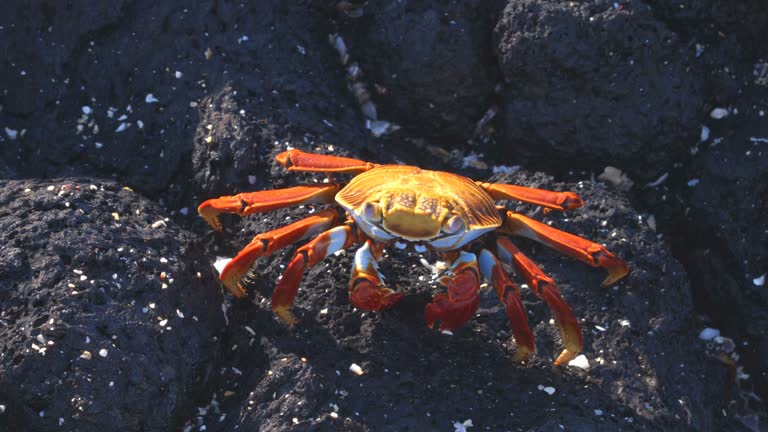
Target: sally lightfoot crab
{"type": "Point", "coordinates": [398, 205]}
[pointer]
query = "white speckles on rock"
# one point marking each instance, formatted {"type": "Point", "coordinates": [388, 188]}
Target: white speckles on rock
{"type": "Point", "coordinates": [704, 133]}
{"type": "Point", "coordinates": [548, 389]}
{"type": "Point", "coordinates": [719, 113]}
{"type": "Point", "coordinates": [462, 427]}
{"type": "Point", "coordinates": [709, 333]}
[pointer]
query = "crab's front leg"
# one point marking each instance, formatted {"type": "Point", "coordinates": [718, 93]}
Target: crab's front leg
{"type": "Point", "coordinates": [262, 201]}
{"type": "Point", "coordinates": [330, 241]}
{"type": "Point", "coordinates": [269, 242]}
{"type": "Point", "coordinates": [462, 283]}
{"type": "Point", "coordinates": [366, 286]}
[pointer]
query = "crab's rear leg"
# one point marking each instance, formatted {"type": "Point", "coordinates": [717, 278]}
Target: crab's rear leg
{"type": "Point", "coordinates": [462, 283]}
{"type": "Point", "coordinates": [333, 240]}
{"type": "Point", "coordinates": [548, 199]}
{"type": "Point", "coordinates": [582, 249]}
{"type": "Point", "coordinates": [366, 286]}
{"type": "Point", "coordinates": [544, 288]}
{"type": "Point", "coordinates": [509, 294]}
{"type": "Point", "coordinates": [262, 201]}
{"type": "Point", "coordinates": [297, 160]}
{"type": "Point", "coordinates": [271, 241]}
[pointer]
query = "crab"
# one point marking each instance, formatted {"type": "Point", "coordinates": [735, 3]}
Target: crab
{"type": "Point", "coordinates": [400, 205]}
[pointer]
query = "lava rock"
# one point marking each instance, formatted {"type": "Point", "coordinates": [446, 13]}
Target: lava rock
{"type": "Point", "coordinates": [106, 319]}
{"type": "Point", "coordinates": [709, 20]}
{"type": "Point", "coordinates": [586, 82]}
{"type": "Point", "coordinates": [726, 199]}
{"type": "Point", "coordinates": [431, 62]}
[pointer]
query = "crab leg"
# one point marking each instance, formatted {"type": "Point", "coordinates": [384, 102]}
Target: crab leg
{"type": "Point", "coordinates": [297, 160]}
{"type": "Point", "coordinates": [462, 283]}
{"type": "Point", "coordinates": [269, 242]}
{"type": "Point", "coordinates": [544, 288]}
{"type": "Point", "coordinates": [582, 249]}
{"type": "Point", "coordinates": [545, 198]}
{"type": "Point", "coordinates": [366, 286]}
{"type": "Point", "coordinates": [333, 240]}
{"type": "Point", "coordinates": [509, 294]}
{"type": "Point", "coordinates": [262, 201]}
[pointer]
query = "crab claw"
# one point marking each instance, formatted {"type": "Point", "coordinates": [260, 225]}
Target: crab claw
{"type": "Point", "coordinates": [615, 266]}
{"type": "Point", "coordinates": [457, 306]}
{"type": "Point", "coordinates": [451, 314]}
{"type": "Point", "coordinates": [239, 265]}
{"type": "Point", "coordinates": [367, 296]}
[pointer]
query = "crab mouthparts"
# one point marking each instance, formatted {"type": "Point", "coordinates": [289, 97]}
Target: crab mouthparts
{"type": "Point", "coordinates": [418, 247]}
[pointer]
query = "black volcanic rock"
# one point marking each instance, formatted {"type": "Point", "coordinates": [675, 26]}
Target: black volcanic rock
{"type": "Point", "coordinates": [592, 83]}
{"type": "Point", "coordinates": [107, 321]}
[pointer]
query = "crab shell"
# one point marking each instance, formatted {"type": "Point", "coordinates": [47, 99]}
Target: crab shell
{"type": "Point", "coordinates": [439, 209]}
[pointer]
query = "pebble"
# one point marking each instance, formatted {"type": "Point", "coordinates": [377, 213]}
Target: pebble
{"type": "Point", "coordinates": [719, 113]}
{"type": "Point", "coordinates": [709, 333]}
{"type": "Point", "coordinates": [759, 281]}
{"type": "Point", "coordinates": [580, 362]}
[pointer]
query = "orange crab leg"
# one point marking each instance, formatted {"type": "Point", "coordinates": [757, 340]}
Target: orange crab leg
{"type": "Point", "coordinates": [462, 283]}
{"type": "Point", "coordinates": [582, 249]}
{"type": "Point", "coordinates": [545, 198]}
{"type": "Point", "coordinates": [262, 201]}
{"type": "Point", "coordinates": [366, 286]}
{"type": "Point", "coordinates": [509, 294]}
{"type": "Point", "coordinates": [544, 287]}
{"type": "Point", "coordinates": [333, 240]}
{"type": "Point", "coordinates": [269, 242]}
{"type": "Point", "coordinates": [297, 160]}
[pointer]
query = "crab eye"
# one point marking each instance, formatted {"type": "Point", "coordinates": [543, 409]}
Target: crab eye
{"type": "Point", "coordinates": [453, 225]}
{"type": "Point", "coordinates": [371, 212]}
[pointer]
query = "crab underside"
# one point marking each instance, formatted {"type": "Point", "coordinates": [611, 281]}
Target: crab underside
{"type": "Point", "coordinates": [397, 204]}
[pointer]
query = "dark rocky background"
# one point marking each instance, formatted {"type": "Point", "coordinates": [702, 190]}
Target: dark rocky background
{"type": "Point", "coordinates": [117, 118]}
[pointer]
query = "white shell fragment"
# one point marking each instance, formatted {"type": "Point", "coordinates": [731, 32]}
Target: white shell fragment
{"type": "Point", "coordinates": [103, 352]}
{"type": "Point", "coordinates": [462, 427]}
{"type": "Point", "coordinates": [719, 113]}
{"type": "Point", "coordinates": [12, 133]}
{"type": "Point", "coordinates": [704, 133]}
{"type": "Point", "coordinates": [580, 362]}
{"type": "Point", "coordinates": [616, 177]}
{"type": "Point", "coordinates": [150, 98]}
{"type": "Point", "coordinates": [709, 333]}
{"type": "Point", "coordinates": [759, 281]}
{"type": "Point", "coordinates": [548, 390]}
{"type": "Point", "coordinates": [355, 369]}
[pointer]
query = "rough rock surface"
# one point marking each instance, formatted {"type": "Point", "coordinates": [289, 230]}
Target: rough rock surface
{"type": "Point", "coordinates": [585, 82]}
{"type": "Point", "coordinates": [432, 62]}
{"type": "Point", "coordinates": [107, 319]}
